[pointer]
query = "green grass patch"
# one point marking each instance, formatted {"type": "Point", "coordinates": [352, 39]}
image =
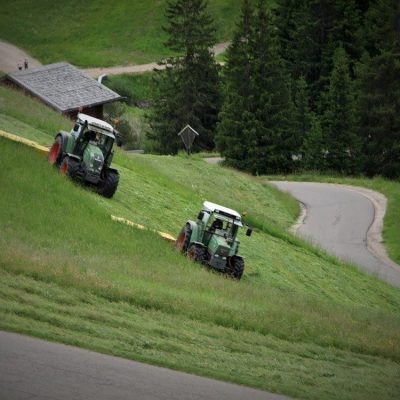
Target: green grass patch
{"type": "Point", "coordinates": [82, 279]}
{"type": "Point", "coordinates": [28, 117]}
{"type": "Point", "coordinates": [98, 33]}
{"type": "Point", "coordinates": [137, 88]}
{"type": "Point", "coordinates": [299, 323]}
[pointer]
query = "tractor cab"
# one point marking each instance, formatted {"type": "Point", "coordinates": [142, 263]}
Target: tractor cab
{"type": "Point", "coordinates": [220, 221]}
{"type": "Point", "coordinates": [221, 226]}
{"type": "Point", "coordinates": [90, 131]}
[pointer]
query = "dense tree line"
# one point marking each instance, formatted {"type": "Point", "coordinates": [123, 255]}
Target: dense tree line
{"type": "Point", "coordinates": [306, 85]}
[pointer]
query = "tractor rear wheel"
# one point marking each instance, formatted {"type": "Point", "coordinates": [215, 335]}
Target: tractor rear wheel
{"type": "Point", "coordinates": [69, 167]}
{"type": "Point", "coordinates": [183, 240]}
{"type": "Point", "coordinates": [110, 184]}
{"type": "Point", "coordinates": [235, 267]}
{"type": "Point", "coordinates": [55, 152]}
{"type": "Point", "coordinates": [197, 253]}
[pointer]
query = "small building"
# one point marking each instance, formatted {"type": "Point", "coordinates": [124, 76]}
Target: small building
{"type": "Point", "coordinates": [65, 88]}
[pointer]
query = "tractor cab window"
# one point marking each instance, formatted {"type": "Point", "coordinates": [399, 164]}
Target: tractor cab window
{"type": "Point", "coordinates": [220, 226]}
{"type": "Point", "coordinates": [105, 143]}
{"type": "Point", "coordinates": [90, 136]}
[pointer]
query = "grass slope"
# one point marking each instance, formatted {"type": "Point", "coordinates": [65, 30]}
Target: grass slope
{"type": "Point", "coordinates": [98, 33]}
{"type": "Point", "coordinates": [299, 322]}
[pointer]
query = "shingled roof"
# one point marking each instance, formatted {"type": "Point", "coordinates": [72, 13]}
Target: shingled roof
{"type": "Point", "coordinates": [63, 87]}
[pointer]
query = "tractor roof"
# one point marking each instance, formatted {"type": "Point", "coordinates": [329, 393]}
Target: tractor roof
{"type": "Point", "coordinates": [228, 212]}
{"type": "Point", "coordinates": [97, 125]}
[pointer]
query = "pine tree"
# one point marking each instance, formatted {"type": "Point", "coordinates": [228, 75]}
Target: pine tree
{"type": "Point", "coordinates": [339, 122]}
{"type": "Point", "coordinates": [310, 31]}
{"type": "Point", "coordinates": [237, 113]}
{"type": "Point", "coordinates": [314, 146]}
{"type": "Point", "coordinates": [303, 115]}
{"type": "Point", "coordinates": [274, 141]}
{"type": "Point", "coordinates": [256, 130]}
{"type": "Point", "coordinates": [189, 85]}
{"type": "Point", "coordinates": [379, 103]}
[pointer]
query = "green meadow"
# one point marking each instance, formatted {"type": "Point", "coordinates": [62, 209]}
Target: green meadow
{"type": "Point", "coordinates": [98, 33]}
{"type": "Point", "coordinates": [299, 322]}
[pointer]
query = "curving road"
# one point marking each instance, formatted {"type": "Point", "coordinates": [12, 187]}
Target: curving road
{"type": "Point", "coordinates": [347, 222]}
{"type": "Point", "coordinates": [33, 369]}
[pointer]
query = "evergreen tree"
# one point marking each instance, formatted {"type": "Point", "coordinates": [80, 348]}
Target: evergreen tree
{"type": "Point", "coordinates": [274, 139]}
{"type": "Point", "coordinates": [314, 146]}
{"type": "Point", "coordinates": [189, 85]}
{"type": "Point", "coordinates": [256, 130]}
{"type": "Point", "coordinates": [339, 121]}
{"type": "Point", "coordinates": [379, 103]}
{"type": "Point", "coordinates": [310, 31]}
{"type": "Point", "coordinates": [237, 113]}
{"type": "Point", "coordinates": [303, 115]}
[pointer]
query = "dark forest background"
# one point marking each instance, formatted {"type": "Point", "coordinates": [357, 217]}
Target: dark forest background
{"type": "Point", "coordinates": [310, 85]}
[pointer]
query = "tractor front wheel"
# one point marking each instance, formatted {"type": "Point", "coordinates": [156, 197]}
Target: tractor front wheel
{"type": "Point", "coordinates": [110, 184]}
{"type": "Point", "coordinates": [197, 253]}
{"type": "Point", "coordinates": [183, 240]}
{"type": "Point", "coordinates": [55, 152]}
{"type": "Point", "coordinates": [69, 167]}
{"type": "Point", "coordinates": [235, 267]}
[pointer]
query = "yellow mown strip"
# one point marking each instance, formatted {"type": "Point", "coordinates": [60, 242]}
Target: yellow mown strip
{"type": "Point", "coordinates": [39, 148]}
{"type": "Point", "coordinates": [125, 221]}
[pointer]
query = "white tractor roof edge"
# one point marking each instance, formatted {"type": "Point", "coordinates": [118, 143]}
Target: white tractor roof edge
{"type": "Point", "coordinates": [213, 207]}
{"type": "Point", "coordinates": [97, 123]}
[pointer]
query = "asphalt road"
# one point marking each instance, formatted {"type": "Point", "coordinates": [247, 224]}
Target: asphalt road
{"type": "Point", "coordinates": [33, 369]}
{"type": "Point", "coordinates": [338, 219]}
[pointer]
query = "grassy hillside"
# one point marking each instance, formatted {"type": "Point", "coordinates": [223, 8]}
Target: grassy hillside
{"type": "Point", "coordinates": [97, 33]}
{"type": "Point", "coordinates": [299, 322]}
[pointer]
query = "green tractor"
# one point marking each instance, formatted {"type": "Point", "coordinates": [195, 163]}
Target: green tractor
{"type": "Point", "coordinates": [85, 154]}
{"type": "Point", "coordinates": [212, 239]}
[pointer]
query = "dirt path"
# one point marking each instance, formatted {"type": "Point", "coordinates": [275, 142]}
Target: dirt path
{"type": "Point", "coordinates": [12, 56]}
{"type": "Point", "coordinates": [136, 69]}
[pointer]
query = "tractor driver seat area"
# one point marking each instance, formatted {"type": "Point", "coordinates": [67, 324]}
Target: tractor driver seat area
{"type": "Point", "coordinates": [217, 224]}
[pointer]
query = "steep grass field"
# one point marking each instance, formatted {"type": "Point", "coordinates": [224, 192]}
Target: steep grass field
{"type": "Point", "coordinates": [98, 32]}
{"type": "Point", "coordinates": [299, 322]}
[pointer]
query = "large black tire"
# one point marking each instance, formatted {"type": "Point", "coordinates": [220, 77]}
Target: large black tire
{"type": "Point", "coordinates": [235, 267]}
{"type": "Point", "coordinates": [183, 239]}
{"type": "Point", "coordinates": [55, 153]}
{"type": "Point", "coordinates": [197, 253]}
{"type": "Point", "coordinates": [70, 167]}
{"type": "Point", "coordinates": [109, 185]}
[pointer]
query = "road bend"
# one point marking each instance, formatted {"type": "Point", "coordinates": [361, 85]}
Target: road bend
{"type": "Point", "coordinates": [338, 219]}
